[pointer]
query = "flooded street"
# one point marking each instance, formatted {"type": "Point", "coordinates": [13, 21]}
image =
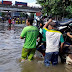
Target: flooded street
{"type": "Point", "coordinates": [10, 54]}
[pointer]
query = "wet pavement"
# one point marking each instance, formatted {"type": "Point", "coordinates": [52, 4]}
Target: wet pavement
{"type": "Point", "coordinates": [10, 54]}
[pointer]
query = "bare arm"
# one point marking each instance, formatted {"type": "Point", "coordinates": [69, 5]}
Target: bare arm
{"type": "Point", "coordinates": [69, 35]}
{"type": "Point", "coordinates": [47, 23]}
{"type": "Point", "coordinates": [62, 44]}
{"type": "Point", "coordinates": [21, 37]}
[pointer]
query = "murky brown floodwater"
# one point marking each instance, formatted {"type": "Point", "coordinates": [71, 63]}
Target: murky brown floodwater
{"type": "Point", "coordinates": [10, 53]}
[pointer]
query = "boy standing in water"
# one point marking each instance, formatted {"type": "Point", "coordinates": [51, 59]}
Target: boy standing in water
{"type": "Point", "coordinates": [9, 20]}
{"type": "Point", "coordinates": [53, 38]}
{"type": "Point", "coordinates": [30, 33]}
{"type": "Point", "coordinates": [41, 43]}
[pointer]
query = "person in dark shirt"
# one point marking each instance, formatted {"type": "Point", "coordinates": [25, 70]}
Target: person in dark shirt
{"type": "Point", "coordinates": [69, 57]}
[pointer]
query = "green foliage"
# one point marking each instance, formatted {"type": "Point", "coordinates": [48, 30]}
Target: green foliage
{"type": "Point", "coordinates": [32, 15]}
{"type": "Point", "coordinates": [26, 16]}
{"type": "Point", "coordinates": [3, 14]}
{"type": "Point", "coordinates": [22, 14]}
{"type": "Point", "coordinates": [56, 7]}
{"type": "Point", "coordinates": [69, 11]}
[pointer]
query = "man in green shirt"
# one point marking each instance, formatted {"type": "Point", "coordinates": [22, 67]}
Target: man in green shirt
{"type": "Point", "coordinates": [30, 33]}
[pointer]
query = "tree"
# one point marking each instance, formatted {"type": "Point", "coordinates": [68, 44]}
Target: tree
{"type": "Point", "coordinates": [55, 7]}
{"type": "Point", "coordinates": [69, 11]}
{"type": "Point", "coordinates": [3, 14]}
{"type": "Point", "coordinates": [26, 16]}
{"type": "Point", "coordinates": [21, 14]}
{"type": "Point", "coordinates": [32, 15]}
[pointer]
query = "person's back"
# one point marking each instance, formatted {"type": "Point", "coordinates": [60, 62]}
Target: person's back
{"type": "Point", "coordinates": [30, 33]}
{"type": "Point", "coordinates": [9, 21]}
{"type": "Point", "coordinates": [52, 40]}
{"type": "Point", "coordinates": [31, 36]}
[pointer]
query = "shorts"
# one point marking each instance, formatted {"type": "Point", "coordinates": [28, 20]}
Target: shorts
{"type": "Point", "coordinates": [41, 49]}
{"type": "Point", "coordinates": [51, 57]}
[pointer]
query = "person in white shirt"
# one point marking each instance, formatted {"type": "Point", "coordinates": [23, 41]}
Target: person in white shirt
{"type": "Point", "coordinates": [53, 38]}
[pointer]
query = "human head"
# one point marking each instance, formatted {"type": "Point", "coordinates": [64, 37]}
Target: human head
{"type": "Point", "coordinates": [41, 25]}
{"type": "Point", "coordinates": [49, 17]}
{"type": "Point", "coordinates": [13, 18]}
{"type": "Point", "coordinates": [29, 21]}
{"type": "Point", "coordinates": [52, 25]}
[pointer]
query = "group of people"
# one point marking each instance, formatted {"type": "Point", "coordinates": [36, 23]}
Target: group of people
{"type": "Point", "coordinates": [11, 21]}
{"type": "Point", "coordinates": [49, 41]}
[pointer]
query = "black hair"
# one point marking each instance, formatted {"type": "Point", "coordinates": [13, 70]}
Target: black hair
{"type": "Point", "coordinates": [50, 17]}
{"type": "Point", "coordinates": [41, 21]}
{"type": "Point", "coordinates": [30, 20]}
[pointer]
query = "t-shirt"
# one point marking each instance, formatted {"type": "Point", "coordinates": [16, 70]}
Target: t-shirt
{"type": "Point", "coordinates": [13, 22]}
{"type": "Point", "coordinates": [53, 38]}
{"type": "Point", "coordinates": [40, 30]}
{"type": "Point", "coordinates": [30, 33]}
{"type": "Point", "coordinates": [44, 35]}
{"type": "Point", "coordinates": [9, 21]}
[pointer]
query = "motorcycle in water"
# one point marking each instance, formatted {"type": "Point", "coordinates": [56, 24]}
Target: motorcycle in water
{"type": "Point", "coordinates": [64, 28]}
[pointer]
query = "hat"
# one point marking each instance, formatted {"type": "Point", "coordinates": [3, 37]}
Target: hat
{"type": "Point", "coordinates": [53, 24]}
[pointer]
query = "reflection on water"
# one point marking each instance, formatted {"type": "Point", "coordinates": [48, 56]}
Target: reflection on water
{"type": "Point", "coordinates": [10, 53]}
{"type": "Point", "coordinates": [38, 67]}
{"type": "Point", "coordinates": [68, 68]}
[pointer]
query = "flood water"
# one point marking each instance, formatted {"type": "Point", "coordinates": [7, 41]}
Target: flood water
{"type": "Point", "coordinates": [10, 54]}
